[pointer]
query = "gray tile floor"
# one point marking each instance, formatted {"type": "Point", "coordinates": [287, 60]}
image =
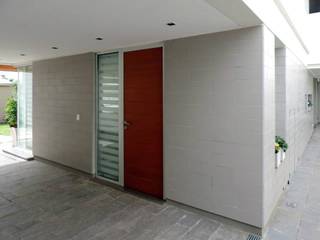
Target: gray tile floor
{"type": "Point", "coordinates": [298, 213]}
{"type": "Point", "coordinates": [39, 201]}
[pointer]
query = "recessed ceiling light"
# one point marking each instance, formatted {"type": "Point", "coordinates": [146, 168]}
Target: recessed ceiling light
{"type": "Point", "coordinates": [22, 54]}
{"type": "Point", "coordinates": [99, 38]}
{"type": "Point", "coordinates": [171, 24]}
{"type": "Point", "coordinates": [55, 48]}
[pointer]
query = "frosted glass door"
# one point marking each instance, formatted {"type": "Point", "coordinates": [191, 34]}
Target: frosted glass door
{"type": "Point", "coordinates": [24, 88]}
{"type": "Point", "coordinates": [108, 117]}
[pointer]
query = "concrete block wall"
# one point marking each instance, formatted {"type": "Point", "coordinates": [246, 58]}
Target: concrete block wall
{"type": "Point", "coordinates": [275, 179]}
{"type": "Point", "coordinates": [269, 123]}
{"type": "Point", "coordinates": [62, 88]}
{"type": "Point", "coordinates": [220, 107]}
{"type": "Point", "coordinates": [293, 122]}
{"type": "Point", "coordinates": [315, 102]}
{"type": "Point", "coordinates": [213, 122]}
{"type": "Point", "coordinates": [299, 120]}
{"type": "Point", "coordinates": [280, 91]}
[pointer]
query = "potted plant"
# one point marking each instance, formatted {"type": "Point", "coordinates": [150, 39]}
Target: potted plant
{"type": "Point", "coordinates": [11, 118]}
{"type": "Point", "coordinates": [283, 145]}
{"type": "Point", "coordinates": [278, 154]}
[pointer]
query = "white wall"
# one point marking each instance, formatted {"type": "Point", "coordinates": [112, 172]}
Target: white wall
{"type": "Point", "coordinates": [299, 121]}
{"type": "Point", "coordinates": [225, 101]}
{"type": "Point", "coordinates": [293, 123]}
{"type": "Point", "coordinates": [317, 105]}
{"type": "Point", "coordinates": [280, 91]}
{"type": "Point", "coordinates": [269, 128]}
{"type": "Point", "coordinates": [62, 88]}
{"type": "Point", "coordinates": [315, 102]}
{"type": "Point", "coordinates": [273, 18]}
{"type": "Point", "coordinates": [213, 123]}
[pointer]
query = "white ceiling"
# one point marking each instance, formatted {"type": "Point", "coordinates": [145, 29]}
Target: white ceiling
{"type": "Point", "coordinates": [315, 69]}
{"type": "Point", "coordinates": [307, 26]}
{"type": "Point", "coordinates": [32, 27]}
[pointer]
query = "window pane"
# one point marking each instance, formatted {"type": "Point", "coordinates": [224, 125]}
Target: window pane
{"type": "Point", "coordinates": [314, 6]}
{"type": "Point", "coordinates": [25, 107]}
{"type": "Point", "coordinates": [108, 116]}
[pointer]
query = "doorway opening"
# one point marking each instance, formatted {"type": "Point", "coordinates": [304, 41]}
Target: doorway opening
{"type": "Point", "coordinates": [130, 119]}
{"type": "Point", "coordinates": [17, 112]}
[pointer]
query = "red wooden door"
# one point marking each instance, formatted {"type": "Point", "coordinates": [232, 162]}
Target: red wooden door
{"type": "Point", "coordinates": [143, 146]}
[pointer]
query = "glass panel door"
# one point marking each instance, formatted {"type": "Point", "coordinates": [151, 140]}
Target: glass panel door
{"type": "Point", "coordinates": [108, 117]}
{"type": "Point", "coordinates": [24, 95]}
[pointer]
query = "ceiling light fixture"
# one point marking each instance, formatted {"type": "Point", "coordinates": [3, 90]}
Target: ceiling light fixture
{"type": "Point", "coordinates": [99, 38]}
{"type": "Point", "coordinates": [171, 24]}
{"type": "Point", "coordinates": [54, 48]}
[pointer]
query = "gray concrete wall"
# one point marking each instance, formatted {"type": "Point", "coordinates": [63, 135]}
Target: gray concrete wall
{"type": "Point", "coordinates": [220, 119]}
{"type": "Point", "coordinates": [299, 121]}
{"type": "Point", "coordinates": [5, 93]}
{"type": "Point", "coordinates": [62, 88]}
{"type": "Point", "coordinates": [315, 102]}
{"type": "Point", "coordinates": [293, 121]}
{"type": "Point", "coordinates": [269, 124]}
{"type": "Point", "coordinates": [280, 91]}
{"type": "Point", "coordinates": [214, 123]}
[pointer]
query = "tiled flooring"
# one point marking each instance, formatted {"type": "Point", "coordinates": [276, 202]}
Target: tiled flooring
{"type": "Point", "coordinates": [298, 213]}
{"type": "Point", "coordinates": [40, 201]}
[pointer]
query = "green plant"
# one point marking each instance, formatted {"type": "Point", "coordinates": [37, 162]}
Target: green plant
{"type": "Point", "coordinates": [11, 112]}
{"type": "Point", "coordinates": [276, 147]}
{"type": "Point", "coordinates": [4, 129]}
{"type": "Point", "coordinates": [282, 143]}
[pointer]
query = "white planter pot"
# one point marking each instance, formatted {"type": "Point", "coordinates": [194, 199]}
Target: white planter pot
{"type": "Point", "coordinates": [14, 136]}
{"type": "Point", "coordinates": [278, 159]}
{"type": "Point", "coordinates": [283, 156]}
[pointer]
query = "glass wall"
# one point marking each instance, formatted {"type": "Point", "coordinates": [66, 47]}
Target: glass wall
{"type": "Point", "coordinates": [24, 94]}
{"type": "Point", "coordinates": [108, 117]}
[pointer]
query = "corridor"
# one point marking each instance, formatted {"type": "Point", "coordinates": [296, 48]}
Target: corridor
{"type": "Point", "coordinates": [298, 213]}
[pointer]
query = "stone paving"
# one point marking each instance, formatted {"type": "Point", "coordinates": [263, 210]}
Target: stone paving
{"type": "Point", "coordinates": [39, 201]}
{"type": "Point", "coordinates": [298, 213]}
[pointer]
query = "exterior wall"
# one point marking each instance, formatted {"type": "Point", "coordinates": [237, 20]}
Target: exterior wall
{"type": "Point", "coordinates": [318, 103]}
{"type": "Point", "coordinates": [293, 122]}
{"type": "Point", "coordinates": [272, 16]}
{"type": "Point", "coordinates": [299, 121]}
{"type": "Point", "coordinates": [5, 93]}
{"type": "Point", "coordinates": [315, 102]}
{"type": "Point", "coordinates": [269, 126]}
{"type": "Point", "coordinates": [62, 88]}
{"type": "Point", "coordinates": [280, 91]}
{"type": "Point", "coordinates": [213, 123]}
{"type": "Point", "coordinates": [220, 119]}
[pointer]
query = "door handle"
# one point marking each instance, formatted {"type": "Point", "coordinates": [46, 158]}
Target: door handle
{"type": "Point", "coordinates": [126, 124]}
